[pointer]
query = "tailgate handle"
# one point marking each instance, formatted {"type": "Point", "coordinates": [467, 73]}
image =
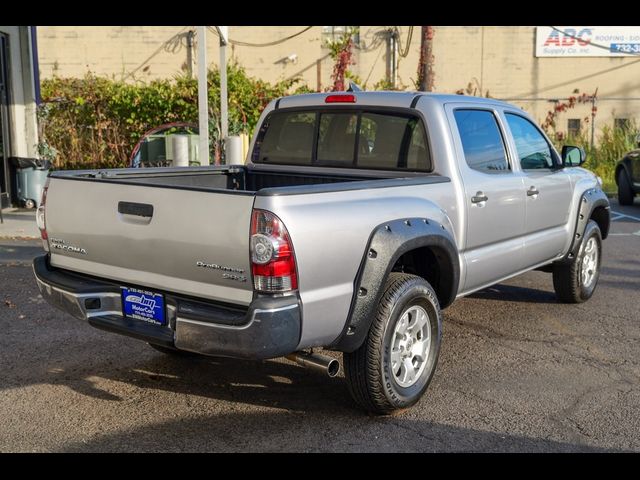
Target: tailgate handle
{"type": "Point", "coordinates": [137, 209]}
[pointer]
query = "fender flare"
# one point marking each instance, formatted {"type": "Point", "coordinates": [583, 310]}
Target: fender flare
{"type": "Point", "coordinates": [589, 201]}
{"type": "Point", "coordinates": [387, 243]}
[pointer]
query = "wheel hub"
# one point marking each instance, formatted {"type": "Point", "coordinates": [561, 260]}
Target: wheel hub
{"type": "Point", "coordinates": [589, 265]}
{"type": "Point", "coordinates": [410, 346]}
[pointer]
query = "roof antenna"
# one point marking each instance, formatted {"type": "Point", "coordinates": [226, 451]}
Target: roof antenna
{"type": "Point", "coordinates": [353, 87]}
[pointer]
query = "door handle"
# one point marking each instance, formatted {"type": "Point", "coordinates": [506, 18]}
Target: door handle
{"type": "Point", "coordinates": [479, 197]}
{"type": "Point", "coordinates": [137, 209]}
{"type": "Point", "coordinates": [532, 191]}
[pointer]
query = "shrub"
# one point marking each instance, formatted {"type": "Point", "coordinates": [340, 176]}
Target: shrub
{"type": "Point", "coordinates": [94, 122]}
{"type": "Point", "coordinates": [610, 146]}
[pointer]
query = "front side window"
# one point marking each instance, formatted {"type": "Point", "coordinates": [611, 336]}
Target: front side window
{"type": "Point", "coordinates": [481, 141]}
{"type": "Point", "coordinates": [344, 138]}
{"type": "Point", "coordinates": [533, 150]}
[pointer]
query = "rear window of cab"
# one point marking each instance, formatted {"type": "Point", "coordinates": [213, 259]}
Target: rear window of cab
{"type": "Point", "coordinates": [344, 138]}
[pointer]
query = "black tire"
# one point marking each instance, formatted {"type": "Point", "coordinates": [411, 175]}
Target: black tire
{"type": "Point", "coordinates": [625, 189]}
{"type": "Point", "coordinates": [172, 351]}
{"type": "Point", "coordinates": [567, 277]}
{"type": "Point", "coordinates": [368, 370]}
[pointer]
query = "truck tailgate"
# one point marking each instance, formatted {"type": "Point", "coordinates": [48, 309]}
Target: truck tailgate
{"type": "Point", "coordinates": [194, 242]}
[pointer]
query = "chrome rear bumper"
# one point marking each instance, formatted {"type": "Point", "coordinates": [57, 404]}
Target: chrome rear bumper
{"type": "Point", "coordinates": [269, 327]}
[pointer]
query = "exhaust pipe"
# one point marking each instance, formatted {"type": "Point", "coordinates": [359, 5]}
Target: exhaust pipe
{"type": "Point", "coordinates": [317, 362]}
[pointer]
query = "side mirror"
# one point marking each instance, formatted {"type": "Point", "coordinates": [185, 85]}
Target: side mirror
{"type": "Point", "coordinates": [573, 156]}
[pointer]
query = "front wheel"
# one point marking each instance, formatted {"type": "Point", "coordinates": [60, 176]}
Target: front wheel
{"type": "Point", "coordinates": [575, 282]}
{"type": "Point", "coordinates": [395, 364]}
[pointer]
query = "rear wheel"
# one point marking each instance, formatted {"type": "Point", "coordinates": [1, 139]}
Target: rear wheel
{"type": "Point", "coordinates": [625, 189]}
{"type": "Point", "coordinates": [393, 367]}
{"type": "Point", "coordinates": [576, 281]}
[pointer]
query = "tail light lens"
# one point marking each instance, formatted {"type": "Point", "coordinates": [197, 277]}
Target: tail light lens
{"type": "Point", "coordinates": [40, 217]}
{"type": "Point", "coordinates": [273, 262]}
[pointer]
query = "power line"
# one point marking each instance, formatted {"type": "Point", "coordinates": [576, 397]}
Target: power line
{"type": "Point", "coordinates": [269, 44]}
{"type": "Point", "coordinates": [405, 52]}
{"type": "Point", "coordinates": [171, 45]}
{"type": "Point", "coordinates": [597, 45]}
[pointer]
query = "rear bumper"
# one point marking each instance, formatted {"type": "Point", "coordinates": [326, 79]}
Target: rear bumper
{"type": "Point", "coordinates": [268, 328]}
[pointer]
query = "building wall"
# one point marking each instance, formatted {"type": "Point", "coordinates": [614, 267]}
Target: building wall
{"type": "Point", "coordinates": [22, 107]}
{"type": "Point", "coordinates": [497, 60]}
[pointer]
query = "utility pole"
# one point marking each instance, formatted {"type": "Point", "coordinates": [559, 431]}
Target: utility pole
{"type": "Point", "coordinates": [203, 91]}
{"type": "Point", "coordinates": [223, 31]}
{"type": "Point", "coordinates": [425, 67]}
{"type": "Point", "coordinates": [203, 101]}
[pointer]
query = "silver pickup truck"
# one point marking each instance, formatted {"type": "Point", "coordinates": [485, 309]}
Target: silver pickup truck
{"type": "Point", "coordinates": [357, 217]}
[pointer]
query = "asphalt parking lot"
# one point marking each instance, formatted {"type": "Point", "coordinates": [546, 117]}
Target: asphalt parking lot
{"type": "Point", "coordinates": [517, 372]}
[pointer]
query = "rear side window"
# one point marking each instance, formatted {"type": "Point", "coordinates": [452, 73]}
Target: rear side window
{"type": "Point", "coordinates": [482, 141]}
{"type": "Point", "coordinates": [344, 138]}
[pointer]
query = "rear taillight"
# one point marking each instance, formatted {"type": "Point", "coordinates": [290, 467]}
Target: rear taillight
{"type": "Point", "coordinates": [273, 262]}
{"type": "Point", "coordinates": [40, 217]}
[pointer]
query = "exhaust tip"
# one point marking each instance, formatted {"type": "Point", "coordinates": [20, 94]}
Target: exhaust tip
{"type": "Point", "coordinates": [333, 368]}
{"type": "Point", "coordinates": [319, 363]}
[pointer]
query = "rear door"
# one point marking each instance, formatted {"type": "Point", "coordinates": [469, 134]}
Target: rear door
{"type": "Point", "coordinates": [548, 191]}
{"type": "Point", "coordinates": [494, 196]}
{"type": "Point", "coordinates": [185, 241]}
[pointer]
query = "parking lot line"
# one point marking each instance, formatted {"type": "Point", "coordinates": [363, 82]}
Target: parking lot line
{"type": "Point", "coordinates": [623, 215]}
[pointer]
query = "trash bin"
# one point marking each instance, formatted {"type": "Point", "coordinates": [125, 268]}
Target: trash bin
{"type": "Point", "coordinates": [31, 175]}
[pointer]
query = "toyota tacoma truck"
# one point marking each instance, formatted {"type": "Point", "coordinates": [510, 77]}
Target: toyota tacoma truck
{"type": "Point", "coordinates": [356, 219]}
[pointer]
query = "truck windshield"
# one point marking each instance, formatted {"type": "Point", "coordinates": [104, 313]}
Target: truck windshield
{"type": "Point", "coordinates": [344, 138]}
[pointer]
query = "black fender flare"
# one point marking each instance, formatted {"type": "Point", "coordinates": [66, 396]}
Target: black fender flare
{"type": "Point", "coordinates": [387, 243]}
{"type": "Point", "coordinates": [589, 201]}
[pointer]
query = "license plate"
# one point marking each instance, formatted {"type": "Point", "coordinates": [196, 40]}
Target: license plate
{"type": "Point", "coordinates": [143, 305]}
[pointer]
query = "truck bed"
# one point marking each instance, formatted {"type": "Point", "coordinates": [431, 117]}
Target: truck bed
{"type": "Point", "coordinates": [241, 179]}
{"type": "Point", "coordinates": [102, 223]}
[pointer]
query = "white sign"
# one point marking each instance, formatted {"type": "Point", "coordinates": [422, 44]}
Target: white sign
{"type": "Point", "coordinates": [587, 41]}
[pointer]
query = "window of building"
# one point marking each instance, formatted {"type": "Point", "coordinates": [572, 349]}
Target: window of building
{"type": "Point", "coordinates": [533, 150]}
{"type": "Point", "coordinates": [573, 127]}
{"type": "Point", "coordinates": [335, 33]}
{"type": "Point", "coordinates": [482, 141]}
{"type": "Point", "coordinates": [622, 124]}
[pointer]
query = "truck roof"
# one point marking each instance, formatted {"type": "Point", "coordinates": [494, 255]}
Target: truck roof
{"type": "Point", "coordinates": [385, 98]}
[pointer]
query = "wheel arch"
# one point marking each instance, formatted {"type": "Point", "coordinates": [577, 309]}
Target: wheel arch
{"type": "Point", "coordinates": [419, 246]}
{"type": "Point", "coordinates": [593, 205]}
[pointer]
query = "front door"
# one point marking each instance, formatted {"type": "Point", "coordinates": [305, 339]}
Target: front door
{"type": "Point", "coordinates": [494, 198]}
{"type": "Point", "coordinates": [548, 189]}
